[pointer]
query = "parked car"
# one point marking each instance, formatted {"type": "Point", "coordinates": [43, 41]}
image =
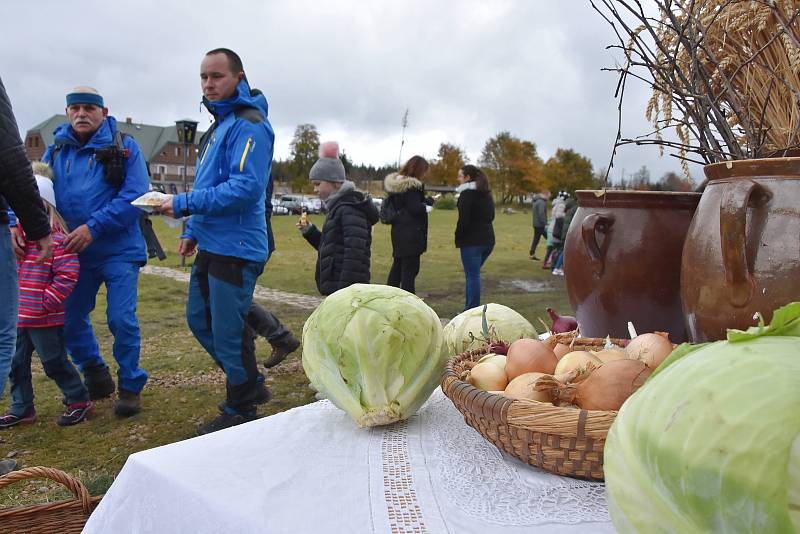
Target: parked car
{"type": "Point", "coordinates": [293, 203]}
{"type": "Point", "coordinates": [312, 204]}
{"type": "Point", "coordinates": [277, 209]}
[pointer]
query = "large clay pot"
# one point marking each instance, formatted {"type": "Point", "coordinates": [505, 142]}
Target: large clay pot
{"type": "Point", "coordinates": [742, 253]}
{"type": "Point", "coordinates": [623, 261]}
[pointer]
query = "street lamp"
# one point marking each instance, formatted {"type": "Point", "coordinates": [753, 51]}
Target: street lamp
{"type": "Point", "coordinates": [186, 129]}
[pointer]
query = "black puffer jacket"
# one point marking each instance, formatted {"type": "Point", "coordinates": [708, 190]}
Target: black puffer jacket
{"type": "Point", "coordinates": [406, 199]}
{"type": "Point", "coordinates": [17, 185]}
{"type": "Point", "coordinates": [345, 242]}
{"type": "Point", "coordinates": [475, 216]}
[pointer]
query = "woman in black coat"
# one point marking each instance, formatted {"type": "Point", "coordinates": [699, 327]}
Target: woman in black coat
{"type": "Point", "coordinates": [405, 209]}
{"type": "Point", "coordinates": [474, 230]}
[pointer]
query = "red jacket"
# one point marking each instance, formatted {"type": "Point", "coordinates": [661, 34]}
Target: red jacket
{"type": "Point", "coordinates": [43, 287]}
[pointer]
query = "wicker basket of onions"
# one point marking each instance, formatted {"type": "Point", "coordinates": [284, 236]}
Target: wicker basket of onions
{"type": "Point", "coordinates": [551, 403]}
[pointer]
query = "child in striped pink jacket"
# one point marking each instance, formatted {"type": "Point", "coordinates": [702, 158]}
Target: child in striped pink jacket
{"type": "Point", "coordinates": [43, 288]}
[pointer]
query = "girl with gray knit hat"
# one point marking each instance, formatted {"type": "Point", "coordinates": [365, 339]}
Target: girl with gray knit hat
{"type": "Point", "coordinates": [344, 244]}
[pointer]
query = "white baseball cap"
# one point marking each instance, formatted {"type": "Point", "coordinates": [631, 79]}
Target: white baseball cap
{"type": "Point", "coordinates": [45, 186]}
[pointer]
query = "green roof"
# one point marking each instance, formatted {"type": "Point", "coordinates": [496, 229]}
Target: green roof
{"type": "Point", "coordinates": [151, 139]}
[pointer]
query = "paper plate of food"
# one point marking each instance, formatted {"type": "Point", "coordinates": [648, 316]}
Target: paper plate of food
{"type": "Point", "coordinates": [150, 201]}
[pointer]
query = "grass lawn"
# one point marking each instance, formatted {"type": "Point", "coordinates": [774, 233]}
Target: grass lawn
{"type": "Point", "coordinates": [185, 385]}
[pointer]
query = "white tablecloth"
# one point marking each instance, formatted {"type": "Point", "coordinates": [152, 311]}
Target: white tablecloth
{"type": "Point", "coordinates": [312, 470]}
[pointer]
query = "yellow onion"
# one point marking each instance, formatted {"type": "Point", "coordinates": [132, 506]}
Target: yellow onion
{"type": "Point", "coordinates": [497, 359]}
{"type": "Point", "coordinates": [651, 349]}
{"type": "Point", "coordinates": [560, 350]}
{"type": "Point", "coordinates": [523, 387]}
{"type": "Point", "coordinates": [576, 360]}
{"type": "Point", "coordinates": [606, 388]}
{"type": "Point", "coordinates": [609, 355]}
{"type": "Point", "coordinates": [529, 356]}
{"type": "Point", "coordinates": [488, 377]}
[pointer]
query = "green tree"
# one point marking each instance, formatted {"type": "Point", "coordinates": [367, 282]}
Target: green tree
{"type": "Point", "coordinates": [444, 170]}
{"type": "Point", "coordinates": [671, 181]}
{"type": "Point", "coordinates": [304, 152]}
{"type": "Point", "coordinates": [640, 181]}
{"type": "Point", "coordinates": [513, 166]}
{"type": "Point", "coordinates": [569, 171]}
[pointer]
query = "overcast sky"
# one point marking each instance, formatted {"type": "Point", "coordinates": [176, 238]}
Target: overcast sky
{"type": "Point", "coordinates": [466, 70]}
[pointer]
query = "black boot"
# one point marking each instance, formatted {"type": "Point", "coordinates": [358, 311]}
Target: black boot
{"type": "Point", "coordinates": [128, 403]}
{"type": "Point", "coordinates": [281, 350]}
{"type": "Point", "coordinates": [98, 381]}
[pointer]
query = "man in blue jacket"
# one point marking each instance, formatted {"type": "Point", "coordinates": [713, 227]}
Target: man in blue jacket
{"type": "Point", "coordinates": [228, 229]}
{"type": "Point", "coordinates": [95, 182]}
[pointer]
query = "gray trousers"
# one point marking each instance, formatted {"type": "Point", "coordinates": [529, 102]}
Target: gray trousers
{"type": "Point", "coordinates": [264, 323]}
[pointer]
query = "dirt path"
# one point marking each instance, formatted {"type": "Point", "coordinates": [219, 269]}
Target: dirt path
{"type": "Point", "coordinates": [305, 302]}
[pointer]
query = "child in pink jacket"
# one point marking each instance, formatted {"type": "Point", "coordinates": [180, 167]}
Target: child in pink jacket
{"type": "Point", "coordinates": [43, 287]}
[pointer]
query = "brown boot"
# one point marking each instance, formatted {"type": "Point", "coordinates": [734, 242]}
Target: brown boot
{"type": "Point", "coordinates": [281, 351]}
{"type": "Point", "coordinates": [128, 403]}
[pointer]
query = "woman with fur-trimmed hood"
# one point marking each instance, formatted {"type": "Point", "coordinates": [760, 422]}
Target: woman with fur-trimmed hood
{"type": "Point", "coordinates": [405, 209]}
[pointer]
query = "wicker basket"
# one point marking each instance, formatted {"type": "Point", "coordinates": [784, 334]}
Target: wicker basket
{"type": "Point", "coordinates": [64, 517]}
{"type": "Point", "coordinates": [564, 441]}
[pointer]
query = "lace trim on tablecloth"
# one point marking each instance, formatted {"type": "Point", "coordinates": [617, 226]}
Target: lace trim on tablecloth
{"type": "Point", "coordinates": [487, 484]}
{"type": "Point", "coordinates": [405, 514]}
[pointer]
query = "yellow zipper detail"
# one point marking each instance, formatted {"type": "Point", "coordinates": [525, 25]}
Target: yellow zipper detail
{"type": "Point", "coordinates": [244, 154]}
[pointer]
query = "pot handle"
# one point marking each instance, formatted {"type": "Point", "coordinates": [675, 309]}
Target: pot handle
{"type": "Point", "coordinates": [736, 196]}
{"type": "Point", "coordinates": [593, 223]}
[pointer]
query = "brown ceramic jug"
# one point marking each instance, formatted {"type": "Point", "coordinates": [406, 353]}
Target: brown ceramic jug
{"type": "Point", "coordinates": [623, 261]}
{"type": "Point", "coordinates": [742, 253]}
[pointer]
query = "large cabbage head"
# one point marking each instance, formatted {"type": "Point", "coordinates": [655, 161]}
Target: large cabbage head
{"type": "Point", "coordinates": [375, 351]}
{"type": "Point", "coordinates": [711, 443]}
{"type": "Point", "coordinates": [465, 331]}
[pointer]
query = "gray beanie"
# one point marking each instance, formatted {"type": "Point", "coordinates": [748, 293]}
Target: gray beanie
{"type": "Point", "coordinates": [328, 167]}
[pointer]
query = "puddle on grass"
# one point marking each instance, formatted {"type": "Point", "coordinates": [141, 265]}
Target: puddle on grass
{"type": "Point", "coordinates": [529, 286]}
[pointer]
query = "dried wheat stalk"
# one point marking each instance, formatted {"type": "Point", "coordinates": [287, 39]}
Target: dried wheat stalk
{"type": "Point", "coordinates": [725, 74]}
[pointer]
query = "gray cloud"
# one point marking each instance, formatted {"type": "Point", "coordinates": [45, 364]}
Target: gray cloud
{"type": "Point", "coordinates": [465, 69]}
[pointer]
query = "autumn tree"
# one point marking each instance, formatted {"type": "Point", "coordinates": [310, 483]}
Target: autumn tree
{"type": "Point", "coordinates": [304, 152]}
{"type": "Point", "coordinates": [513, 166]}
{"type": "Point", "coordinates": [444, 171]}
{"type": "Point", "coordinates": [569, 171]}
{"type": "Point", "coordinates": [640, 180]}
{"type": "Point", "coordinates": [671, 181]}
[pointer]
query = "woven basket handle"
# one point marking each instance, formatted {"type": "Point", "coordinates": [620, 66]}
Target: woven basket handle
{"type": "Point", "coordinates": [74, 485]}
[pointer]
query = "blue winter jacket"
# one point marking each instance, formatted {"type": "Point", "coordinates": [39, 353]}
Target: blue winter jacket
{"type": "Point", "coordinates": [234, 165]}
{"type": "Point", "coordinates": [84, 196]}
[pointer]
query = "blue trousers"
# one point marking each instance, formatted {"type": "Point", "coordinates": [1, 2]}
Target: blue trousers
{"type": "Point", "coordinates": [9, 296]}
{"type": "Point", "coordinates": [49, 344]}
{"type": "Point", "coordinates": [215, 311]}
{"type": "Point", "coordinates": [121, 280]}
{"type": "Point", "coordinates": [473, 258]}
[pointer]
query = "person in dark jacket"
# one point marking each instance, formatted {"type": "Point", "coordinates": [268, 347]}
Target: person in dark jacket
{"type": "Point", "coordinates": [570, 207]}
{"type": "Point", "coordinates": [228, 228]}
{"type": "Point", "coordinates": [263, 322]}
{"type": "Point", "coordinates": [539, 220]}
{"type": "Point", "coordinates": [345, 241]}
{"type": "Point", "coordinates": [17, 189]}
{"type": "Point", "coordinates": [474, 230]}
{"type": "Point", "coordinates": [405, 209]}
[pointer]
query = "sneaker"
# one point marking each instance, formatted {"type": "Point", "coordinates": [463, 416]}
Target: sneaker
{"type": "Point", "coordinates": [9, 419]}
{"type": "Point", "coordinates": [128, 403]}
{"type": "Point", "coordinates": [263, 396]}
{"type": "Point", "coordinates": [99, 382]}
{"type": "Point", "coordinates": [281, 351]}
{"type": "Point", "coordinates": [223, 421]}
{"type": "Point", "coordinates": [75, 413]}
{"type": "Point", "coordinates": [558, 272]}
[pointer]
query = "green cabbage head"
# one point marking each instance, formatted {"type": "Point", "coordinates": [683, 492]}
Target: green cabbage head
{"type": "Point", "coordinates": [465, 331]}
{"type": "Point", "coordinates": [711, 443]}
{"type": "Point", "coordinates": [374, 351]}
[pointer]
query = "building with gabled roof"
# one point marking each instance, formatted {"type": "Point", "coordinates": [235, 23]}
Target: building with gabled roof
{"type": "Point", "coordinates": [159, 145]}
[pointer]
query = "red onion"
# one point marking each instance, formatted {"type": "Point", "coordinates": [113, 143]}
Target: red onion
{"type": "Point", "coordinates": [498, 347]}
{"type": "Point", "coordinates": [561, 323]}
